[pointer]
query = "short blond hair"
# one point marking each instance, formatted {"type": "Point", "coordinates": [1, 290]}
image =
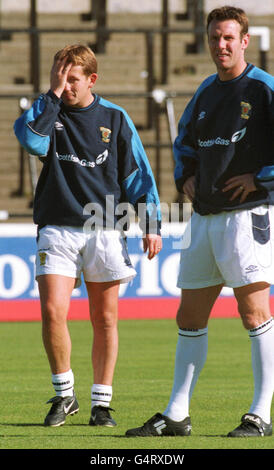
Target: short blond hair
{"type": "Point", "coordinates": [78, 54]}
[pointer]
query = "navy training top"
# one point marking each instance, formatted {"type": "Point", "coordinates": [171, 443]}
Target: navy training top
{"type": "Point", "coordinates": [92, 158]}
{"type": "Point", "coordinates": [226, 130]}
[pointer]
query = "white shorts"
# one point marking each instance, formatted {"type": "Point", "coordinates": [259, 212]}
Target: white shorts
{"type": "Point", "coordinates": [232, 248]}
{"type": "Point", "coordinates": [102, 255]}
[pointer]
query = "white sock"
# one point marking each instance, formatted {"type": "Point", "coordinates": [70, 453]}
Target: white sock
{"type": "Point", "coordinates": [262, 353]}
{"type": "Point", "coordinates": [101, 395]}
{"type": "Point", "coordinates": [63, 383]}
{"type": "Point", "coordinates": [190, 358]}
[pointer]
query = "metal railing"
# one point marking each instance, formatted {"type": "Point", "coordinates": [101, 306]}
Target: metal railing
{"type": "Point", "coordinates": [157, 101]}
{"type": "Point", "coordinates": [149, 34]}
{"type": "Point", "coordinates": [99, 13]}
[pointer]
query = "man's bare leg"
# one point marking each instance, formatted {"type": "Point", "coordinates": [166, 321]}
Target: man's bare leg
{"type": "Point", "coordinates": [103, 298]}
{"type": "Point", "coordinates": [55, 292]}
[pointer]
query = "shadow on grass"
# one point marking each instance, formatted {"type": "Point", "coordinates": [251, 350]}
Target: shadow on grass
{"type": "Point", "coordinates": [115, 436]}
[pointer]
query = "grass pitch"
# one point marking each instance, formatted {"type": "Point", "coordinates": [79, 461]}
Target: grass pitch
{"type": "Point", "coordinates": [142, 385]}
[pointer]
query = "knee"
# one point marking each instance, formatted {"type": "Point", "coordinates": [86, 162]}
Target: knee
{"type": "Point", "coordinates": [253, 304]}
{"type": "Point", "coordinates": [179, 317]}
{"type": "Point", "coordinates": [53, 315]}
{"type": "Point", "coordinates": [184, 320]}
{"type": "Point", "coordinates": [104, 320]}
{"type": "Point", "coordinates": [189, 319]}
{"type": "Point", "coordinates": [252, 318]}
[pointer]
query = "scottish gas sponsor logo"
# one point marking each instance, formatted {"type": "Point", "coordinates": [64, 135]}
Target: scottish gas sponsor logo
{"type": "Point", "coordinates": [211, 142]}
{"type": "Point", "coordinates": [102, 157]}
{"type": "Point", "coordinates": [236, 137]}
{"type": "Point", "coordinates": [70, 157]}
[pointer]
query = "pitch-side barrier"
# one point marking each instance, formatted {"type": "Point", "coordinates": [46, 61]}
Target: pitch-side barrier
{"type": "Point", "coordinates": [152, 294]}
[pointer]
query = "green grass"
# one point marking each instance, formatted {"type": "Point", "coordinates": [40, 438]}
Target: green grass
{"type": "Point", "coordinates": [142, 385]}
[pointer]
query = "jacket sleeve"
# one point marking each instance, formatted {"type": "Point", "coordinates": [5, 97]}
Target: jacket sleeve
{"type": "Point", "coordinates": [184, 149]}
{"type": "Point", "coordinates": [264, 178]}
{"type": "Point", "coordinates": [34, 127]}
{"type": "Point", "coordinates": [137, 179]}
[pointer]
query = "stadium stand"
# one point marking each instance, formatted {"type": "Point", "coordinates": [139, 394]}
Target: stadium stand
{"type": "Point", "coordinates": [122, 72]}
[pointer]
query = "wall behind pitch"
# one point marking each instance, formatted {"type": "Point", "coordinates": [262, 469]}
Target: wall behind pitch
{"type": "Point", "coordinates": [152, 294]}
{"type": "Point", "coordinates": [142, 6]}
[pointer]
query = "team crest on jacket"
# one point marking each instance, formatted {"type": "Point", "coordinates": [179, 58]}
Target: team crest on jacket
{"type": "Point", "coordinates": [105, 133]}
{"type": "Point", "coordinates": [246, 107]}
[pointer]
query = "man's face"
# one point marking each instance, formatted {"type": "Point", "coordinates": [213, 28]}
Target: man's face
{"type": "Point", "coordinates": [227, 48]}
{"type": "Point", "coordinates": [77, 91]}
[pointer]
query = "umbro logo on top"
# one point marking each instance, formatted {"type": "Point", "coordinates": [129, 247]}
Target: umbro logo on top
{"type": "Point", "coordinates": [58, 126]}
{"type": "Point", "coordinates": [201, 115]}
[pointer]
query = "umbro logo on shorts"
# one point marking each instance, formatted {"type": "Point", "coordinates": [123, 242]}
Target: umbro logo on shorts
{"type": "Point", "coordinates": [251, 269]}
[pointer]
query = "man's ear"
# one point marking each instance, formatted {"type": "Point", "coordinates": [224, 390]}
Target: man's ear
{"type": "Point", "coordinates": [93, 77]}
{"type": "Point", "coordinates": [245, 41]}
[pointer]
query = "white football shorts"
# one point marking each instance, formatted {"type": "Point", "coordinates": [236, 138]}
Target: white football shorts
{"type": "Point", "coordinates": [232, 248]}
{"type": "Point", "coordinates": [101, 255]}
